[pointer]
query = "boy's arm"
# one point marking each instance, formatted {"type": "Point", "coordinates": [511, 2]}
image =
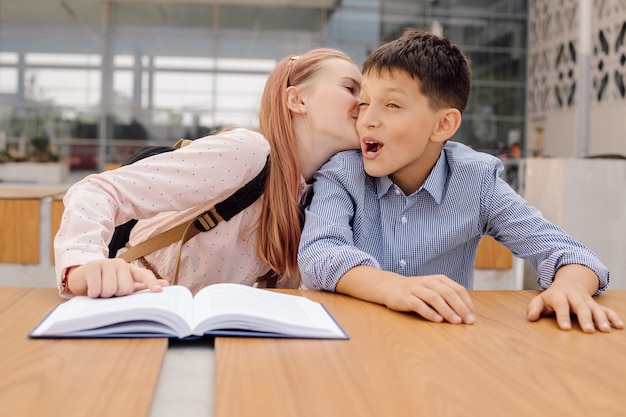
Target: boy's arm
{"type": "Point", "coordinates": [529, 235]}
{"type": "Point", "coordinates": [571, 292]}
{"type": "Point", "coordinates": [569, 272]}
{"type": "Point", "coordinates": [434, 297]}
{"type": "Point", "coordinates": [327, 244]}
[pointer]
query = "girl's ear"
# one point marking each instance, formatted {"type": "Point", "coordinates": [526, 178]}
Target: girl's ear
{"type": "Point", "coordinates": [447, 126]}
{"type": "Point", "coordinates": [295, 101]}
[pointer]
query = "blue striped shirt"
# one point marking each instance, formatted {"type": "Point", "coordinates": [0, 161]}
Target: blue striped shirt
{"type": "Point", "coordinates": [355, 219]}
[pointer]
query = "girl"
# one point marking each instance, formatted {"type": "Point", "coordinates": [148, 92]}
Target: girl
{"type": "Point", "coordinates": [308, 113]}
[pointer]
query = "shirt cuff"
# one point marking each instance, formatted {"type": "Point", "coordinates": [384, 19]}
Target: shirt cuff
{"type": "Point", "coordinates": [65, 290]}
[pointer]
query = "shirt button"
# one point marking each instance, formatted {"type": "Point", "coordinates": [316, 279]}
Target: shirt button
{"type": "Point", "coordinates": [397, 192]}
{"type": "Point", "coordinates": [402, 263]}
{"type": "Point", "coordinates": [404, 220]}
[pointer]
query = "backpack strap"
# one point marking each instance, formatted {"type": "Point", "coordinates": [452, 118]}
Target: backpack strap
{"type": "Point", "coordinates": [122, 231]}
{"type": "Point", "coordinates": [223, 211]}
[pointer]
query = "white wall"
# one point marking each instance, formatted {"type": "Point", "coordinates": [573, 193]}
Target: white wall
{"type": "Point", "coordinates": [587, 198]}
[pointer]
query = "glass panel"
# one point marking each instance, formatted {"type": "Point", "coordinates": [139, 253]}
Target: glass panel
{"type": "Point", "coordinates": [258, 47]}
{"type": "Point", "coordinates": [181, 62]}
{"type": "Point", "coordinates": [68, 12]}
{"type": "Point", "coordinates": [161, 29]}
{"type": "Point", "coordinates": [481, 31]}
{"type": "Point", "coordinates": [8, 80]}
{"type": "Point", "coordinates": [241, 92]}
{"type": "Point", "coordinates": [178, 90]}
{"type": "Point", "coordinates": [63, 87]}
{"type": "Point", "coordinates": [488, 32]}
{"type": "Point", "coordinates": [454, 7]}
{"type": "Point", "coordinates": [60, 42]}
{"type": "Point", "coordinates": [124, 60]}
{"type": "Point", "coordinates": [361, 3]}
{"type": "Point", "coordinates": [506, 99]}
{"type": "Point", "coordinates": [8, 58]}
{"type": "Point", "coordinates": [146, 82]}
{"type": "Point", "coordinates": [355, 25]}
{"type": "Point", "coordinates": [491, 114]}
{"type": "Point", "coordinates": [270, 19]}
{"type": "Point", "coordinates": [498, 65]}
{"type": "Point", "coordinates": [263, 65]}
{"type": "Point", "coordinates": [169, 48]}
{"type": "Point", "coordinates": [234, 118]}
{"type": "Point", "coordinates": [489, 134]}
{"type": "Point", "coordinates": [182, 66]}
{"type": "Point", "coordinates": [62, 59]}
{"type": "Point", "coordinates": [123, 85]}
{"type": "Point", "coordinates": [161, 15]}
{"type": "Point", "coordinates": [493, 35]}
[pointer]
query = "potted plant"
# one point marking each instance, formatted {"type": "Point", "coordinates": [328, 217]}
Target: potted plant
{"type": "Point", "coordinates": [30, 155]}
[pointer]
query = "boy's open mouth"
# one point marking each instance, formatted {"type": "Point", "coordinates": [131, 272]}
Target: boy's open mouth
{"type": "Point", "coordinates": [372, 146]}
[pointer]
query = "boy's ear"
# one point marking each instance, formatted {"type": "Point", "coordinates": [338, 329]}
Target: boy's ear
{"type": "Point", "coordinates": [449, 123]}
{"type": "Point", "coordinates": [295, 101]}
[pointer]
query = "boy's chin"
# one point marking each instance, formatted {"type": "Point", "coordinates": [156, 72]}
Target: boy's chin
{"type": "Point", "coordinates": [372, 170]}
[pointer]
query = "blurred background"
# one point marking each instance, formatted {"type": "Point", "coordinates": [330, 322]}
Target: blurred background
{"type": "Point", "coordinates": [97, 78]}
{"type": "Point", "coordinates": [84, 83]}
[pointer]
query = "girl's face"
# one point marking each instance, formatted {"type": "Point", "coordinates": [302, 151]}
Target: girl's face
{"type": "Point", "coordinates": [331, 98]}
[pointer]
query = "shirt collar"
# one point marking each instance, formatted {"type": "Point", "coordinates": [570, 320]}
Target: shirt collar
{"type": "Point", "coordinates": [383, 184]}
{"type": "Point", "coordinates": [305, 193]}
{"type": "Point", "coordinates": [436, 181]}
{"type": "Point", "coordinates": [434, 184]}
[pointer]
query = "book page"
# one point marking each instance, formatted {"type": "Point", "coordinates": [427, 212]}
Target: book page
{"type": "Point", "coordinates": [172, 307]}
{"type": "Point", "coordinates": [235, 306]}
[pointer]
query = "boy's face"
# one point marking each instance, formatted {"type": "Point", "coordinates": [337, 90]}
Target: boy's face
{"type": "Point", "coordinates": [395, 126]}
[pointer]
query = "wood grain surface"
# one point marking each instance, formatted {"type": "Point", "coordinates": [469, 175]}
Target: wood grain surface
{"type": "Point", "coordinates": [396, 364]}
{"type": "Point", "coordinates": [70, 377]}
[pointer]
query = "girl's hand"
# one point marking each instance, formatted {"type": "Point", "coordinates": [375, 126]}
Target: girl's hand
{"type": "Point", "coordinates": [111, 278]}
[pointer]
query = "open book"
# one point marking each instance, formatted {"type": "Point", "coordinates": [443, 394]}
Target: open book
{"type": "Point", "coordinates": [219, 309]}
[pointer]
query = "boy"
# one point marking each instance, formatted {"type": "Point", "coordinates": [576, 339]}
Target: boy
{"type": "Point", "coordinates": [399, 222]}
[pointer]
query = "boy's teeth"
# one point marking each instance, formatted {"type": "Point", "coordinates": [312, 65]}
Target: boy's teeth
{"type": "Point", "coordinates": [372, 146]}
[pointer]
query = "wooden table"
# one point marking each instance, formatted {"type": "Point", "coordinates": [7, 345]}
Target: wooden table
{"type": "Point", "coordinates": [96, 377]}
{"type": "Point", "coordinates": [396, 364]}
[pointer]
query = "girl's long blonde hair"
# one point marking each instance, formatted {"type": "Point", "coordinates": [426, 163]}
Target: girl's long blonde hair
{"type": "Point", "coordinates": [281, 218]}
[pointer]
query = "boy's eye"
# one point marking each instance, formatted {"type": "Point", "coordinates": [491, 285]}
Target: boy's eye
{"type": "Point", "coordinates": [362, 104]}
{"type": "Point", "coordinates": [393, 105]}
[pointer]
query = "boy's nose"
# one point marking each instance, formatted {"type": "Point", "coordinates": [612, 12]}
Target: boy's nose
{"type": "Point", "coordinates": [367, 118]}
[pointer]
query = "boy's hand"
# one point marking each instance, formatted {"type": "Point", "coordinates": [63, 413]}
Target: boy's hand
{"type": "Point", "coordinates": [111, 277]}
{"type": "Point", "coordinates": [434, 297]}
{"type": "Point", "coordinates": [569, 295]}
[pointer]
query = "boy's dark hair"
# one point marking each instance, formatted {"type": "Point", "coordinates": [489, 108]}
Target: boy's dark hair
{"type": "Point", "coordinates": [441, 69]}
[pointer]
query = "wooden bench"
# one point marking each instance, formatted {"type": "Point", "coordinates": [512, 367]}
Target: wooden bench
{"type": "Point", "coordinates": [24, 206]}
{"type": "Point", "coordinates": [20, 222]}
{"type": "Point", "coordinates": [493, 255]}
{"type": "Point", "coordinates": [56, 213]}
